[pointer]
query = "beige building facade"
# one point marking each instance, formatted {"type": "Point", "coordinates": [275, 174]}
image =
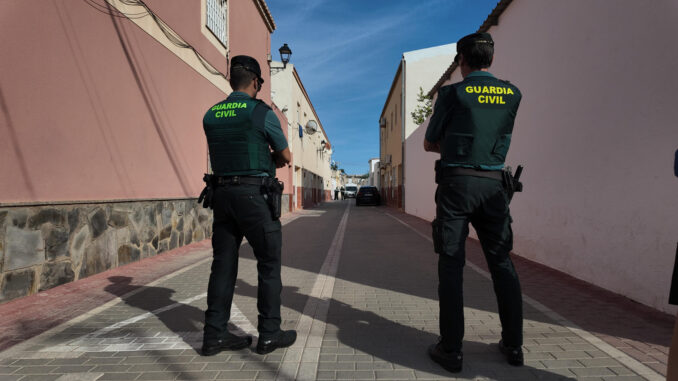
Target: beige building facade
{"type": "Point", "coordinates": [418, 69]}
{"type": "Point", "coordinates": [309, 144]}
{"type": "Point", "coordinates": [391, 144]}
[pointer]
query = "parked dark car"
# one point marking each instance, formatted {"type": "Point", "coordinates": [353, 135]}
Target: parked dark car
{"type": "Point", "coordinates": [368, 195]}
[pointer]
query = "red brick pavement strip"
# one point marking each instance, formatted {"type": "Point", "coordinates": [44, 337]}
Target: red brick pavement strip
{"type": "Point", "coordinates": [32, 315]}
{"type": "Point", "coordinates": [641, 332]}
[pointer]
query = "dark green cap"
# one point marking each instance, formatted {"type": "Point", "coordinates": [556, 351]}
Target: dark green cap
{"type": "Point", "coordinates": [475, 38]}
{"type": "Point", "coordinates": [248, 63]}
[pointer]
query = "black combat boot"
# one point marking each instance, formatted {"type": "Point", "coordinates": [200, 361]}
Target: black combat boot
{"type": "Point", "coordinates": [450, 361]}
{"type": "Point", "coordinates": [514, 355]}
{"type": "Point", "coordinates": [229, 343]}
{"type": "Point", "coordinates": [281, 339]}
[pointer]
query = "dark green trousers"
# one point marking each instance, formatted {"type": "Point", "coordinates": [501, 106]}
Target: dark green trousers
{"type": "Point", "coordinates": [241, 211]}
{"type": "Point", "coordinates": [461, 200]}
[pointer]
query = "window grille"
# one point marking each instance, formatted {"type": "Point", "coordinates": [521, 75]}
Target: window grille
{"type": "Point", "coordinates": [216, 19]}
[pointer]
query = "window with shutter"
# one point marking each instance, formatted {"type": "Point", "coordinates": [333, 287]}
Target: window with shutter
{"type": "Point", "coordinates": [216, 19]}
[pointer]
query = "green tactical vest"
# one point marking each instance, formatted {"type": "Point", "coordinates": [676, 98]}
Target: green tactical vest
{"type": "Point", "coordinates": [478, 130]}
{"type": "Point", "coordinates": [236, 137]}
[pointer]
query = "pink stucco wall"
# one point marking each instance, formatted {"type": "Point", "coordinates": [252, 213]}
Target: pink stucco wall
{"type": "Point", "coordinates": [184, 18]}
{"type": "Point", "coordinates": [92, 107]}
{"type": "Point", "coordinates": [597, 133]}
{"type": "Point", "coordinates": [247, 32]}
{"type": "Point", "coordinates": [250, 36]}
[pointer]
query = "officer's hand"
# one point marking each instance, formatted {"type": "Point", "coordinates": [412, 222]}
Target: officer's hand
{"type": "Point", "coordinates": [279, 163]}
{"type": "Point", "coordinates": [282, 157]}
{"type": "Point", "coordinates": [431, 147]}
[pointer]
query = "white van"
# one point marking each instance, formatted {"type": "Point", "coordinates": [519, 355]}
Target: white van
{"type": "Point", "coordinates": [351, 190]}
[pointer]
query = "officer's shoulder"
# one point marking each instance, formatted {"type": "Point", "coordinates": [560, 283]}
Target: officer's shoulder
{"type": "Point", "coordinates": [212, 108]}
{"type": "Point", "coordinates": [514, 87]}
{"type": "Point", "coordinates": [448, 89]}
{"type": "Point", "coordinates": [217, 104]}
{"type": "Point", "coordinates": [260, 103]}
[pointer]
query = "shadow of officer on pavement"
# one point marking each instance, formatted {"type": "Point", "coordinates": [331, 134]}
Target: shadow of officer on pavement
{"type": "Point", "coordinates": [402, 345]}
{"type": "Point", "coordinates": [180, 319]}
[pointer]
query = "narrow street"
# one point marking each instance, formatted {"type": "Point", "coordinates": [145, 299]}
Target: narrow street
{"type": "Point", "coordinates": [360, 286]}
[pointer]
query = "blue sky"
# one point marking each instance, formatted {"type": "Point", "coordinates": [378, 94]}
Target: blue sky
{"type": "Point", "coordinates": [347, 52]}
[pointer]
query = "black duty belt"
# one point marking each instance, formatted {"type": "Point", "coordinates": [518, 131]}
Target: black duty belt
{"type": "Point", "coordinates": [461, 171]}
{"type": "Point", "coordinates": [235, 180]}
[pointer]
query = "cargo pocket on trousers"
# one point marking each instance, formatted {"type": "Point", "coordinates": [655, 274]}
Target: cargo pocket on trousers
{"type": "Point", "coordinates": [437, 236]}
{"type": "Point", "coordinates": [273, 237]}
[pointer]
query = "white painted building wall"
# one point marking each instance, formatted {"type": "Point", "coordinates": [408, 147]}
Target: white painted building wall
{"type": "Point", "coordinates": [308, 152]}
{"type": "Point", "coordinates": [422, 69]}
{"type": "Point", "coordinates": [420, 185]}
{"type": "Point", "coordinates": [597, 131]}
{"type": "Point", "coordinates": [373, 178]}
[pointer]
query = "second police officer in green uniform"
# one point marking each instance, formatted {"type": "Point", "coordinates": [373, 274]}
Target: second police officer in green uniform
{"type": "Point", "coordinates": [471, 128]}
{"type": "Point", "coordinates": [239, 132]}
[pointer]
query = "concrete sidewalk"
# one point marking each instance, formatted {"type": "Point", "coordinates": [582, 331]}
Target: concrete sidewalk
{"type": "Point", "coordinates": [359, 286]}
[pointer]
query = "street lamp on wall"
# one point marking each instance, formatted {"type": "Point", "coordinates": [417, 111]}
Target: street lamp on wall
{"type": "Point", "coordinates": [285, 53]}
{"type": "Point", "coordinates": [322, 148]}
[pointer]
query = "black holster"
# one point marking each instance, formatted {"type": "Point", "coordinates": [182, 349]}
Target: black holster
{"type": "Point", "coordinates": [207, 194]}
{"type": "Point", "coordinates": [272, 191]}
{"type": "Point", "coordinates": [511, 182]}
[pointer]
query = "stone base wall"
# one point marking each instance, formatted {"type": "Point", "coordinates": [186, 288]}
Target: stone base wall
{"type": "Point", "coordinates": [44, 246]}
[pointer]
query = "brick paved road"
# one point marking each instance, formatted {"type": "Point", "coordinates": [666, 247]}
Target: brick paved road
{"type": "Point", "coordinates": [359, 286]}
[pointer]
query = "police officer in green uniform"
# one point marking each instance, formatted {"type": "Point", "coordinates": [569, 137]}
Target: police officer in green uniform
{"type": "Point", "coordinates": [471, 128]}
{"type": "Point", "coordinates": [239, 132]}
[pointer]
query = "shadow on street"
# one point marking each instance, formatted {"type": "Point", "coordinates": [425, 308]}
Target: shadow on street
{"type": "Point", "coordinates": [403, 345]}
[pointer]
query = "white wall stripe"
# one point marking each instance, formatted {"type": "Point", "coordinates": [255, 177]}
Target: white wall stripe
{"type": "Point", "coordinates": [301, 359]}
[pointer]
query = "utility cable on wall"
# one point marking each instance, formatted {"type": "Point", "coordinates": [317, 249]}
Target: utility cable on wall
{"type": "Point", "coordinates": [113, 12]}
{"type": "Point", "coordinates": [172, 36]}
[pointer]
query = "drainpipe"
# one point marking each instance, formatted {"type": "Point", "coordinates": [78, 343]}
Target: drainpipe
{"type": "Point", "coordinates": [403, 105]}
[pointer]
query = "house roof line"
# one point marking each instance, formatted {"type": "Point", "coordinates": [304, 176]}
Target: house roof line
{"type": "Point", "coordinates": [390, 91]}
{"type": "Point", "coordinates": [491, 20]}
{"type": "Point", "coordinates": [265, 14]}
{"type": "Point", "coordinates": [308, 99]}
